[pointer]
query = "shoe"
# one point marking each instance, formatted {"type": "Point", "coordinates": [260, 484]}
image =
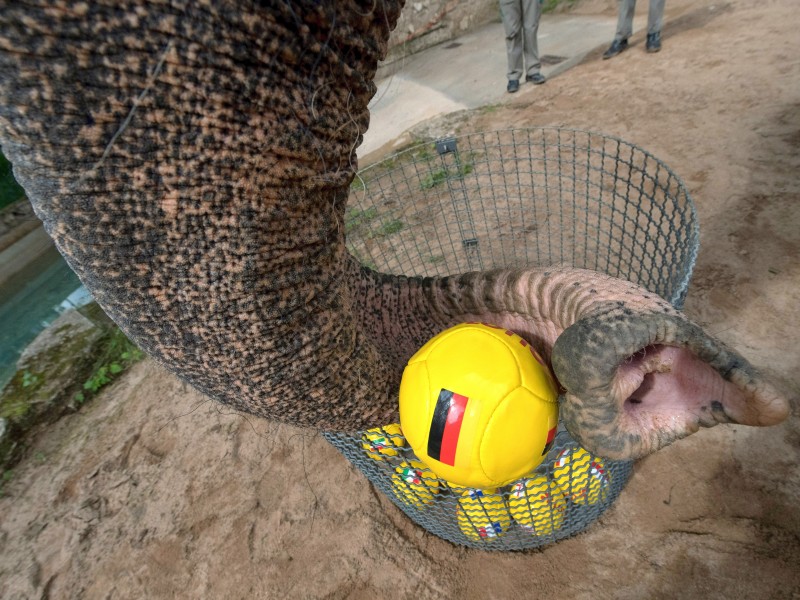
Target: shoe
{"type": "Point", "coordinates": [513, 86]}
{"type": "Point", "coordinates": [616, 47]}
{"type": "Point", "coordinates": [653, 42]}
{"type": "Point", "coordinates": [536, 79]}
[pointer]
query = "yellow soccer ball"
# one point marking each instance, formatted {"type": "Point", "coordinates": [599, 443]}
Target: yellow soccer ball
{"type": "Point", "coordinates": [478, 406]}
{"type": "Point", "coordinates": [382, 441]}
{"type": "Point", "coordinates": [414, 484]}
{"type": "Point", "coordinates": [538, 505]}
{"type": "Point", "coordinates": [583, 478]}
{"type": "Point", "coordinates": [482, 515]}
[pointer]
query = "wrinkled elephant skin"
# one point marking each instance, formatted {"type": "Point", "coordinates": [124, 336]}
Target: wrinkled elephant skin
{"type": "Point", "coordinates": [192, 163]}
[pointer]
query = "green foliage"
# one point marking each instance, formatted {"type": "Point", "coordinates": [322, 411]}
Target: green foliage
{"type": "Point", "coordinates": [550, 5]}
{"type": "Point", "coordinates": [97, 380]}
{"type": "Point", "coordinates": [443, 174]}
{"type": "Point", "coordinates": [389, 228]}
{"type": "Point", "coordinates": [434, 179]}
{"type": "Point", "coordinates": [16, 407]}
{"type": "Point", "coordinates": [355, 218]}
{"type": "Point", "coordinates": [30, 379]}
{"type": "Point", "coordinates": [425, 153]}
{"type": "Point", "coordinates": [10, 190]}
{"type": "Point", "coordinates": [119, 354]}
{"type": "Point", "coordinates": [389, 164]}
{"type": "Point", "coordinates": [59, 378]}
{"type": "Point", "coordinates": [7, 476]}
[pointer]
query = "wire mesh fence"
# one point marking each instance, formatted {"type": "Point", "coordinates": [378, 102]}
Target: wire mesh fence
{"type": "Point", "coordinates": [516, 198]}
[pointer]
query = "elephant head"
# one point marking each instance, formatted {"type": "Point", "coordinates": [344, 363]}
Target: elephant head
{"type": "Point", "coordinates": [191, 161]}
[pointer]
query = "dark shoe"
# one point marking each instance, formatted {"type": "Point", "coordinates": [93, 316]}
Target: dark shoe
{"type": "Point", "coordinates": [615, 48]}
{"type": "Point", "coordinates": [513, 86]}
{"type": "Point", "coordinates": [653, 42]}
{"type": "Point", "coordinates": [536, 79]}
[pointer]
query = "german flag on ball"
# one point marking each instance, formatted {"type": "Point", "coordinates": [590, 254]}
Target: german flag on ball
{"type": "Point", "coordinates": [450, 436]}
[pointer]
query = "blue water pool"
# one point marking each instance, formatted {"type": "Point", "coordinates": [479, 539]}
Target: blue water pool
{"type": "Point", "coordinates": [30, 301]}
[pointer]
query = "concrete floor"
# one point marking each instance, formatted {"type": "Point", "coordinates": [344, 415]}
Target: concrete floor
{"type": "Point", "coordinates": [470, 71]}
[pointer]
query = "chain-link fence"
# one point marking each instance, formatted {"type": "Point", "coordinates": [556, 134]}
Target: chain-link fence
{"type": "Point", "coordinates": [515, 198]}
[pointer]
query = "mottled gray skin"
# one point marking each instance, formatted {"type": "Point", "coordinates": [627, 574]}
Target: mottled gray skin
{"type": "Point", "coordinates": [192, 160]}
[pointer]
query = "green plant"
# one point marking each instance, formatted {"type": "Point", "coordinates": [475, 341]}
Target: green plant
{"type": "Point", "coordinates": [7, 476]}
{"type": "Point", "coordinates": [10, 190]}
{"type": "Point", "coordinates": [550, 5]}
{"type": "Point", "coordinates": [443, 174]}
{"type": "Point", "coordinates": [424, 153]}
{"type": "Point", "coordinates": [120, 353]}
{"type": "Point", "coordinates": [97, 380]}
{"type": "Point", "coordinates": [433, 179]}
{"type": "Point", "coordinates": [389, 228]}
{"type": "Point", "coordinates": [29, 379]}
{"type": "Point", "coordinates": [355, 218]}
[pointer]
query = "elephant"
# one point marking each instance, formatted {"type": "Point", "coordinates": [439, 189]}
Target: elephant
{"type": "Point", "coordinates": [192, 162]}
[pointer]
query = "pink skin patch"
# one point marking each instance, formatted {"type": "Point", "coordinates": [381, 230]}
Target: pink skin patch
{"type": "Point", "coordinates": [669, 388]}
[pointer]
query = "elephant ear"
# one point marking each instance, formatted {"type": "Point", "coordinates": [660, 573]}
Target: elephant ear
{"type": "Point", "coordinates": [637, 383]}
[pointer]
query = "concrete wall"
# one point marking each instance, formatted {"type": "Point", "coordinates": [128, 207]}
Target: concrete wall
{"type": "Point", "coordinates": [429, 22]}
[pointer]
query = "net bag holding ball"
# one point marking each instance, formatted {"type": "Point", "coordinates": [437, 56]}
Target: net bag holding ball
{"type": "Point", "coordinates": [515, 198]}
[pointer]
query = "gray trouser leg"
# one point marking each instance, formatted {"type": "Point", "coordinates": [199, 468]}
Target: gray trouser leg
{"type": "Point", "coordinates": [625, 19]}
{"type": "Point", "coordinates": [655, 18]}
{"type": "Point", "coordinates": [511, 11]}
{"type": "Point", "coordinates": [531, 10]}
{"type": "Point", "coordinates": [521, 24]}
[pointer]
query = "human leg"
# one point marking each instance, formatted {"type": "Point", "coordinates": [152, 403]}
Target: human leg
{"type": "Point", "coordinates": [625, 19]}
{"type": "Point", "coordinates": [531, 13]}
{"type": "Point", "coordinates": [655, 18]}
{"type": "Point", "coordinates": [511, 12]}
{"type": "Point", "coordinates": [624, 28]}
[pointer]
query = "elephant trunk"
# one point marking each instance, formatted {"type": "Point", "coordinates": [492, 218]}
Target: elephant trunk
{"type": "Point", "coordinates": [402, 313]}
{"type": "Point", "coordinates": [192, 163]}
{"type": "Point", "coordinates": [200, 193]}
{"type": "Point", "coordinates": [635, 373]}
{"type": "Point", "coordinates": [635, 385]}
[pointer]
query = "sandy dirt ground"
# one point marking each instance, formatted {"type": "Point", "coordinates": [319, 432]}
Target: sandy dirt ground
{"type": "Point", "coordinates": [152, 491]}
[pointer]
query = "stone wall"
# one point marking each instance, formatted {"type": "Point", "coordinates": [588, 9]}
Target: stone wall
{"type": "Point", "coordinates": [429, 22]}
{"type": "Point", "coordinates": [50, 370]}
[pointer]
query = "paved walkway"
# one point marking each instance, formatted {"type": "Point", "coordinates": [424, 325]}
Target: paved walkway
{"type": "Point", "coordinates": [470, 71]}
